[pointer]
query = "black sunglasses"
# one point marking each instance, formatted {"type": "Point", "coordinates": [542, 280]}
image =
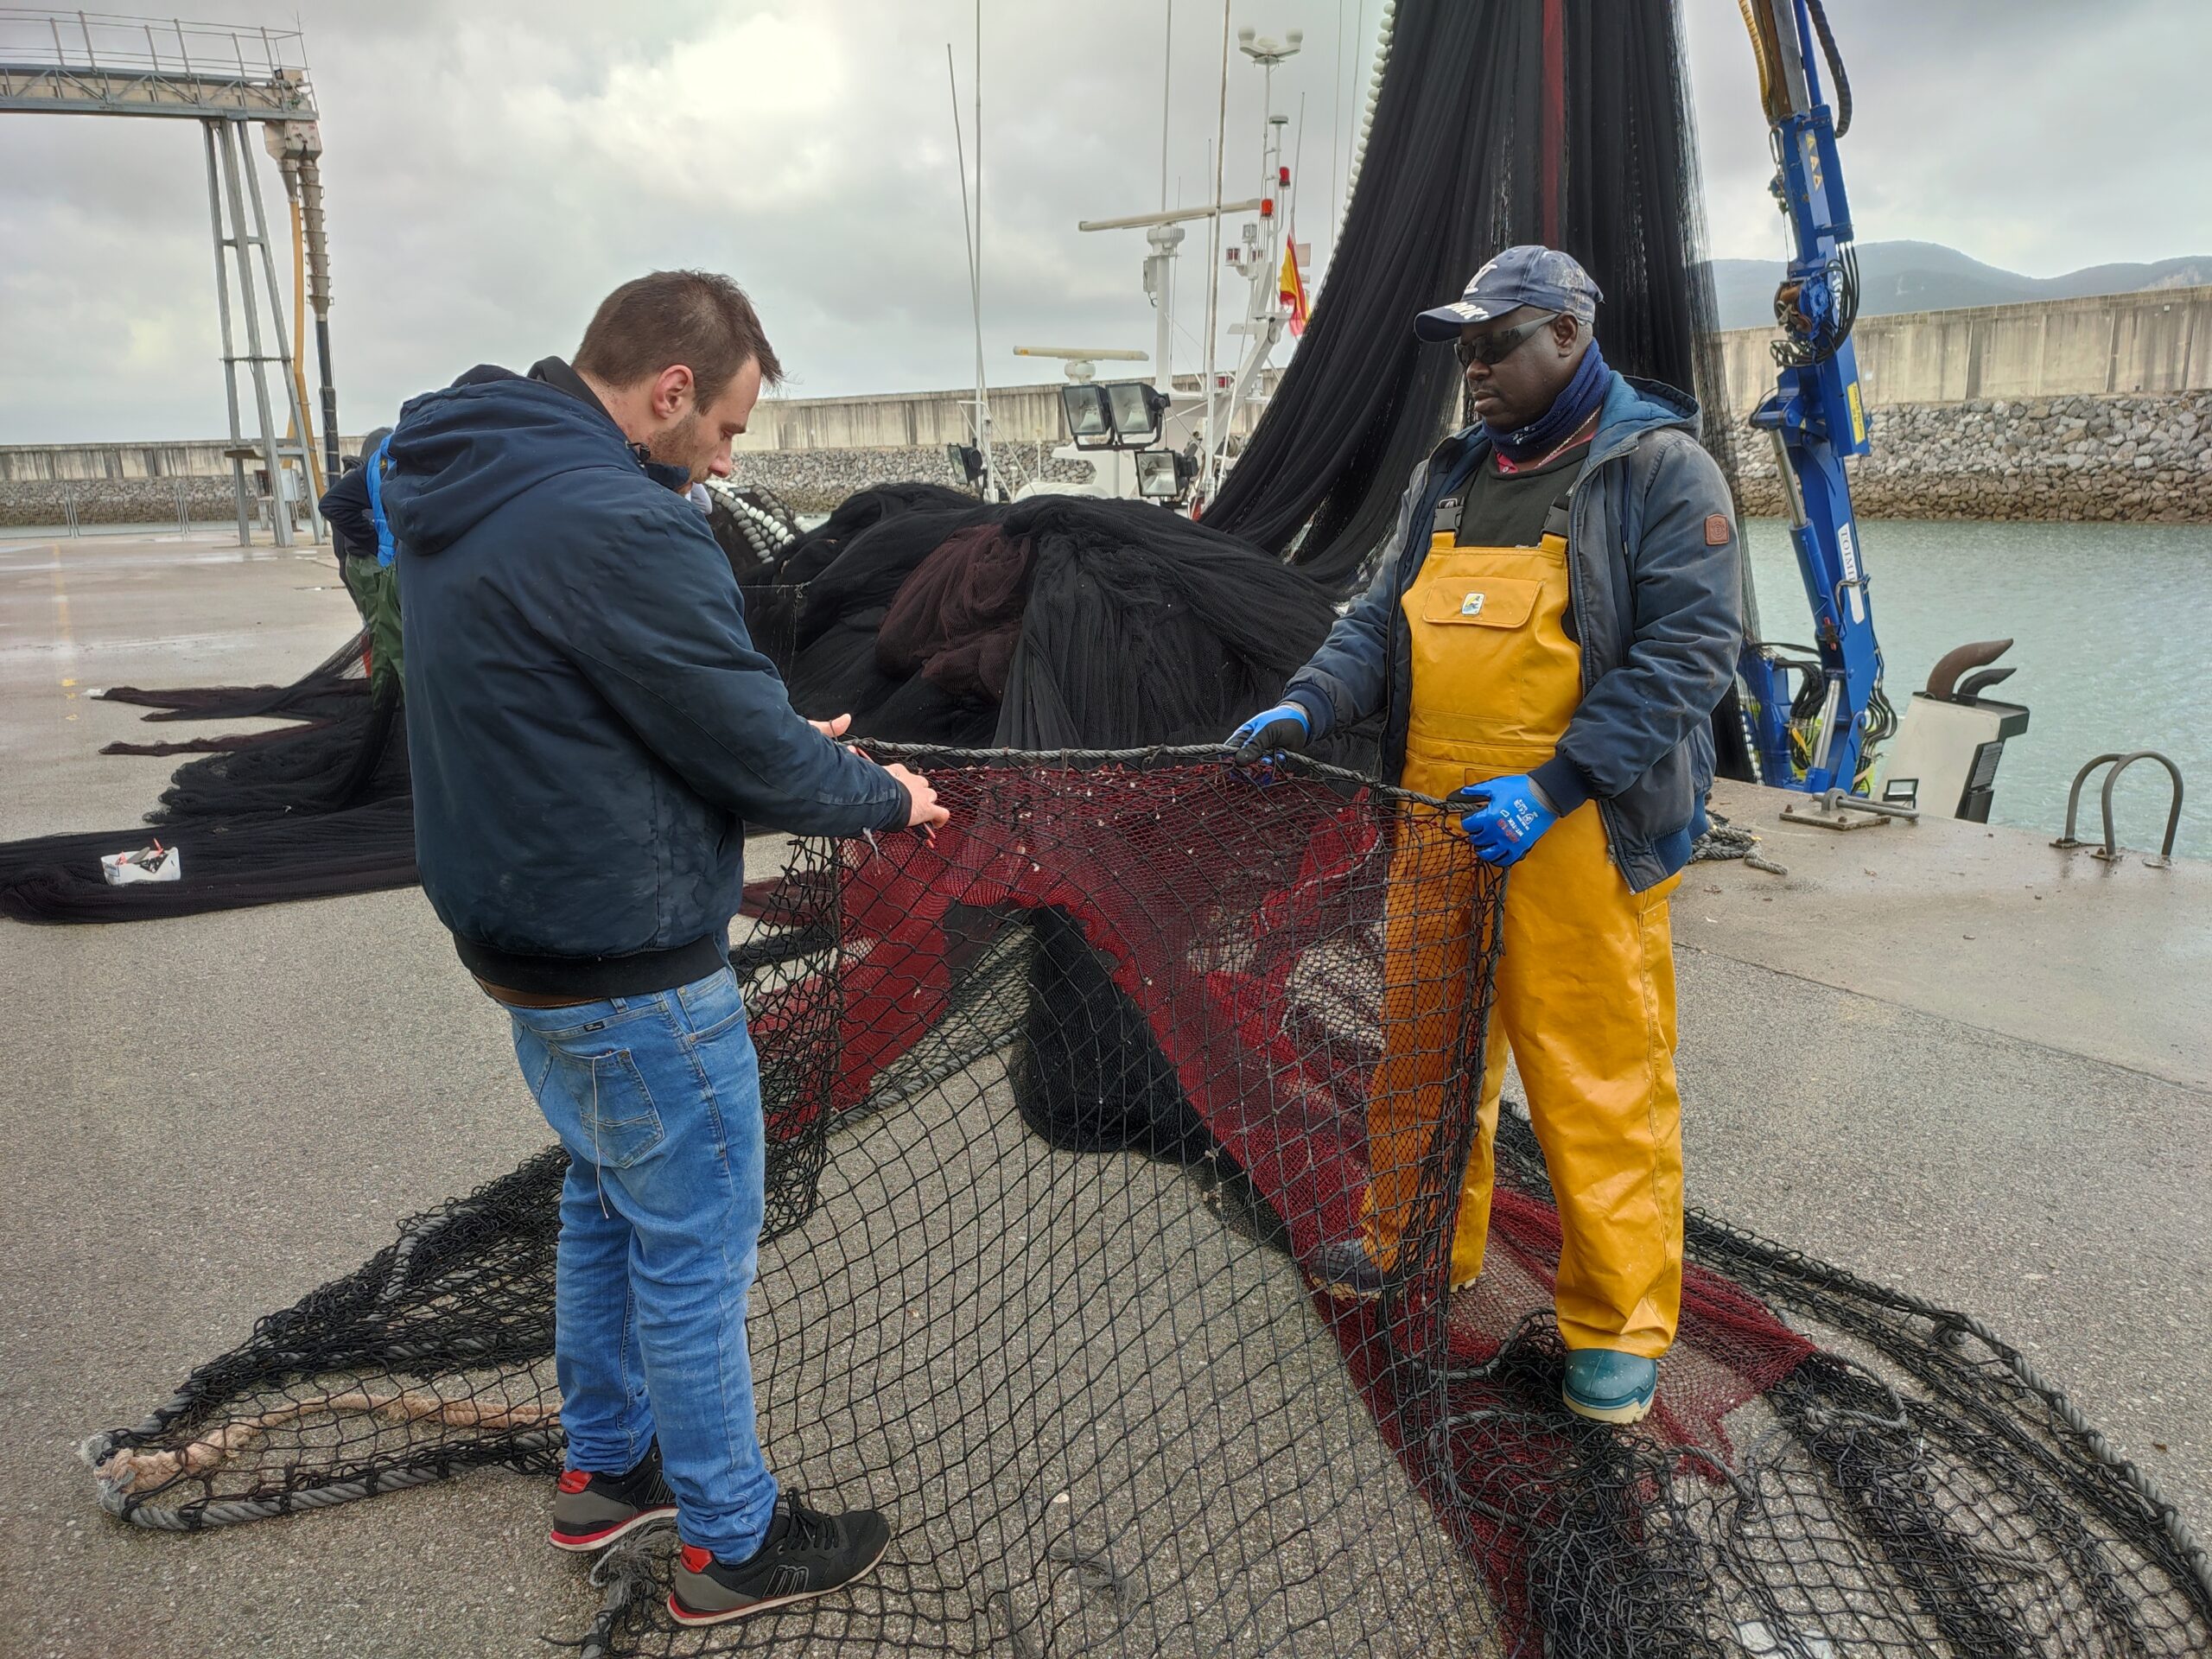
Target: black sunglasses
{"type": "Point", "coordinates": [1494, 349]}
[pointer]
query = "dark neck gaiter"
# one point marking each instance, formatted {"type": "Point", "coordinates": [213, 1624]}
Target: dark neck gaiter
{"type": "Point", "coordinates": [1577, 401]}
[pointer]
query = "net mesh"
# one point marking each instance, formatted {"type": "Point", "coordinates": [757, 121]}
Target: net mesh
{"type": "Point", "coordinates": [1060, 1107]}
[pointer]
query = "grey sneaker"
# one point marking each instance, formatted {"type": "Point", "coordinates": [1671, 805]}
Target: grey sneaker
{"type": "Point", "coordinates": [591, 1511]}
{"type": "Point", "coordinates": [806, 1553]}
{"type": "Point", "coordinates": [1346, 1271]}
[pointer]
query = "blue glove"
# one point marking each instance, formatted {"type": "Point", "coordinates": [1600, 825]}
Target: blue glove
{"type": "Point", "coordinates": [1271, 732]}
{"type": "Point", "coordinates": [1509, 816]}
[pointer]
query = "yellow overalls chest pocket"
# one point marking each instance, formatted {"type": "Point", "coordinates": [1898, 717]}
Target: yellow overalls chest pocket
{"type": "Point", "coordinates": [1496, 678]}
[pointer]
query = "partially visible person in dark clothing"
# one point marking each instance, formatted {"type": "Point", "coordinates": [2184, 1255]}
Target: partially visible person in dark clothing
{"type": "Point", "coordinates": [373, 585]}
{"type": "Point", "coordinates": [589, 726]}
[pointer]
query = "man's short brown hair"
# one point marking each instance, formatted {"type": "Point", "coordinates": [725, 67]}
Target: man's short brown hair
{"type": "Point", "coordinates": [693, 317]}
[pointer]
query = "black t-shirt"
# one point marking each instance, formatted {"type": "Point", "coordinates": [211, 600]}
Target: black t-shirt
{"type": "Point", "coordinates": [1509, 508]}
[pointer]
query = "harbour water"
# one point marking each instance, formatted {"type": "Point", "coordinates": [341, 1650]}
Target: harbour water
{"type": "Point", "coordinates": [2111, 625]}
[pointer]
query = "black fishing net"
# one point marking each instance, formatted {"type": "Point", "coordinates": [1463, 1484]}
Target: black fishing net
{"type": "Point", "coordinates": [1057, 622]}
{"type": "Point", "coordinates": [1474, 147]}
{"type": "Point", "coordinates": [321, 806]}
{"type": "Point", "coordinates": [1057, 1106]}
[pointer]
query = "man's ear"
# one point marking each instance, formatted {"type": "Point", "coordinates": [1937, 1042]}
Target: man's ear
{"type": "Point", "coordinates": [672, 391]}
{"type": "Point", "coordinates": [1564, 329]}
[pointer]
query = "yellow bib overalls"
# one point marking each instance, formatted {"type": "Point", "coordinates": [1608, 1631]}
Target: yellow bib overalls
{"type": "Point", "coordinates": [1585, 983]}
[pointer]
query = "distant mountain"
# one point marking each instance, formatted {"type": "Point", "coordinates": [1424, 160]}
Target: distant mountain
{"type": "Point", "coordinates": [1928, 276]}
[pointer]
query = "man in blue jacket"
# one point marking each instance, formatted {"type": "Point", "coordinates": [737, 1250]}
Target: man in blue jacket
{"type": "Point", "coordinates": [1553, 622]}
{"type": "Point", "coordinates": [589, 725]}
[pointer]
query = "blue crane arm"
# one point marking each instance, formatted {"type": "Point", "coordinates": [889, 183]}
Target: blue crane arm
{"type": "Point", "coordinates": [1815, 734]}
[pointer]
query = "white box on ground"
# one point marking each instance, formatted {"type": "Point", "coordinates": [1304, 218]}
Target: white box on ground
{"type": "Point", "coordinates": [147, 864]}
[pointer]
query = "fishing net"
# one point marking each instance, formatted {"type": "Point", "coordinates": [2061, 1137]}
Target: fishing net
{"type": "Point", "coordinates": [1058, 622]}
{"type": "Point", "coordinates": [323, 806]}
{"type": "Point", "coordinates": [1497, 122]}
{"type": "Point", "coordinates": [1059, 1105]}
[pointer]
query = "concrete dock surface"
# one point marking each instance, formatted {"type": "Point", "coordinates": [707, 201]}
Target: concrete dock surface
{"type": "Point", "coordinates": [1941, 1055]}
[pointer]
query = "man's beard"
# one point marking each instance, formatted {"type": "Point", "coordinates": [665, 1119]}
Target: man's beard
{"type": "Point", "coordinates": [682, 445]}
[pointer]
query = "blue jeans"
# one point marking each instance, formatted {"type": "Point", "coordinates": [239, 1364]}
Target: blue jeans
{"type": "Point", "coordinates": [658, 1100]}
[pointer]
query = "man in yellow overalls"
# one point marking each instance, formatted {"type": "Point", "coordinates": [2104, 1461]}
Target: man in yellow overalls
{"type": "Point", "coordinates": [1552, 626]}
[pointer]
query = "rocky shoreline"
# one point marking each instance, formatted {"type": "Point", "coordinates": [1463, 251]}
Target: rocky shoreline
{"type": "Point", "coordinates": [816, 480]}
{"type": "Point", "coordinates": [2137, 458]}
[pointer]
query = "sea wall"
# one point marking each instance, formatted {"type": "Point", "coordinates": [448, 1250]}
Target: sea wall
{"type": "Point", "coordinates": [122, 483]}
{"type": "Point", "coordinates": [2137, 458]}
{"type": "Point", "coordinates": [2091, 409]}
{"type": "Point", "coordinates": [2070, 409]}
{"type": "Point", "coordinates": [2157, 341]}
{"type": "Point", "coordinates": [116, 501]}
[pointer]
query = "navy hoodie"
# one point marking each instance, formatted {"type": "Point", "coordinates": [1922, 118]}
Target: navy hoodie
{"type": "Point", "coordinates": [587, 720]}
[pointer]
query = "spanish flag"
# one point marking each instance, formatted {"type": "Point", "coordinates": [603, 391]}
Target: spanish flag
{"type": "Point", "coordinates": [1294, 285]}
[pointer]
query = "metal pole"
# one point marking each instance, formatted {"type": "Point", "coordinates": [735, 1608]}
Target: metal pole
{"type": "Point", "coordinates": [329, 401]}
{"type": "Point", "coordinates": [1206, 466]}
{"type": "Point", "coordinates": [1163, 254]}
{"type": "Point", "coordinates": [283, 357]}
{"type": "Point", "coordinates": [279, 519]}
{"type": "Point", "coordinates": [319, 294]}
{"type": "Point", "coordinates": [982, 390]}
{"type": "Point", "coordinates": [1336, 129]}
{"type": "Point", "coordinates": [1167, 77]}
{"type": "Point", "coordinates": [968, 242]}
{"type": "Point", "coordinates": [223, 309]}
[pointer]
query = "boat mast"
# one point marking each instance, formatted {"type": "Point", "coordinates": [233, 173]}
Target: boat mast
{"type": "Point", "coordinates": [1208, 465]}
{"type": "Point", "coordinates": [1160, 269]}
{"type": "Point", "coordinates": [968, 240]}
{"type": "Point", "coordinates": [982, 390]}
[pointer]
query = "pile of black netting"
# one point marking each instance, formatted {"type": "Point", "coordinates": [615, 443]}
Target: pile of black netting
{"type": "Point", "coordinates": [1057, 1106]}
{"type": "Point", "coordinates": [1058, 622]}
{"type": "Point", "coordinates": [926, 615]}
{"type": "Point", "coordinates": [320, 806]}
{"type": "Point", "coordinates": [1476, 147]}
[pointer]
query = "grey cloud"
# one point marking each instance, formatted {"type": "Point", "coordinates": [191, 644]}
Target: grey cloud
{"type": "Point", "coordinates": [494, 169]}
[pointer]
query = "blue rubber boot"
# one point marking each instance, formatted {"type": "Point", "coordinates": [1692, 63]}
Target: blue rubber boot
{"type": "Point", "coordinates": [1607, 1386]}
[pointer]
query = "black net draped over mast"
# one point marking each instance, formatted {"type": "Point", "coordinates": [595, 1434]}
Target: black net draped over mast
{"type": "Point", "coordinates": [1484, 134]}
{"type": "Point", "coordinates": [1060, 1107]}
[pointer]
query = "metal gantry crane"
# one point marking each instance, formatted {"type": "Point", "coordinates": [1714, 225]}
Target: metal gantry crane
{"type": "Point", "coordinates": [224, 78]}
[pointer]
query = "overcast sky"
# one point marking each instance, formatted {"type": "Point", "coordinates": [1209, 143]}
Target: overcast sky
{"type": "Point", "coordinates": [493, 169]}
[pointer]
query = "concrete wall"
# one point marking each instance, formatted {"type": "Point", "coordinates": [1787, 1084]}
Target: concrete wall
{"type": "Point", "coordinates": [929, 420]}
{"type": "Point", "coordinates": [2158, 340]}
{"type": "Point", "coordinates": [2072, 409]}
{"type": "Point", "coordinates": [903, 420]}
{"type": "Point", "coordinates": [91, 463]}
{"type": "Point", "coordinates": [121, 483]}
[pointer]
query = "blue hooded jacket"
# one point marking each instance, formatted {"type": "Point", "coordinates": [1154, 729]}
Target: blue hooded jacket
{"type": "Point", "coordinates": [587, 720]}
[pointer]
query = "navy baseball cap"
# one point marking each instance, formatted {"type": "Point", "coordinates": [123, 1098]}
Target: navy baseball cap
{"type": "Point", "coordinates": [1526, 275]}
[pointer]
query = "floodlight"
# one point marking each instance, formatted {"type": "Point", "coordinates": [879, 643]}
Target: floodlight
{"type": "Point", "coordinates": [1160, 474]}
{"type": "Point", "coordinates": [1113, 414]}
{"type": "Point", "coordinates": [966, 460]}
{"type": "Point", "coordinates": [1090, 422]}
{"type": "Point", "coordinates": [1137, 407]}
